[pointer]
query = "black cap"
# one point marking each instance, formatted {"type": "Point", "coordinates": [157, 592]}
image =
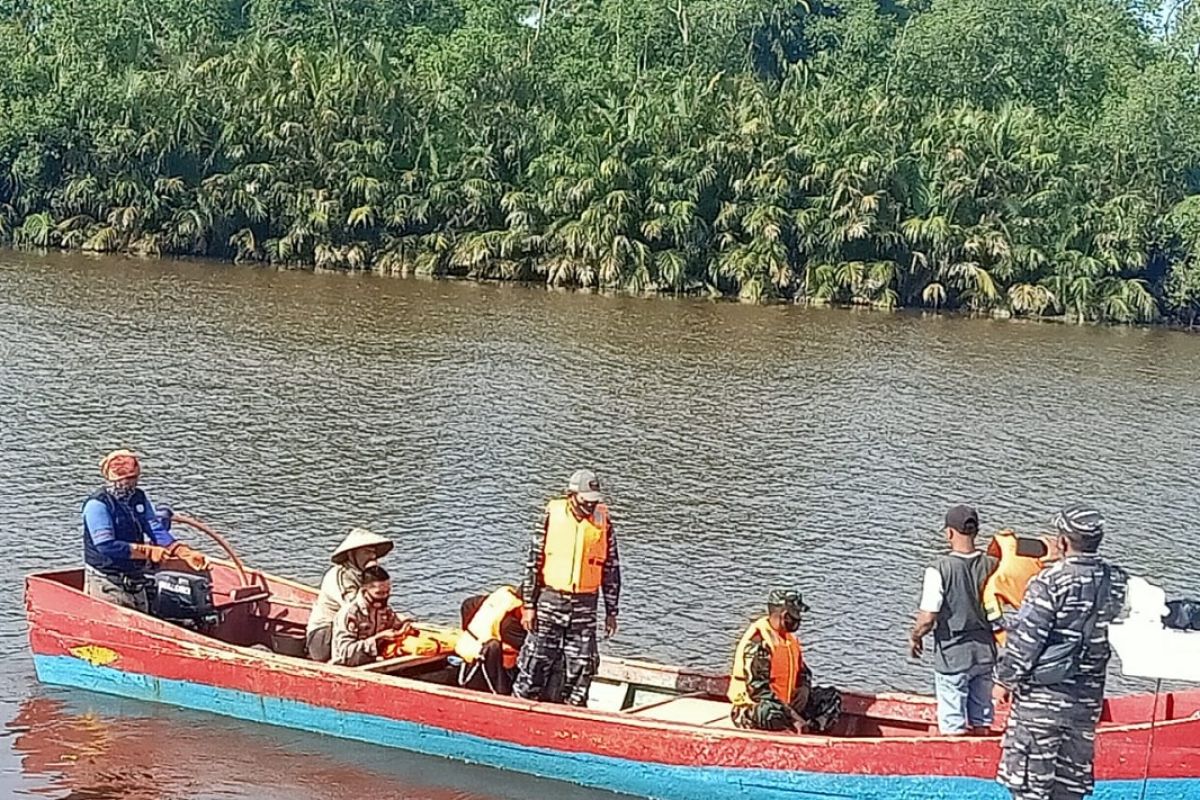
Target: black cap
{"type": "Point", "coordinates": [963, 519]}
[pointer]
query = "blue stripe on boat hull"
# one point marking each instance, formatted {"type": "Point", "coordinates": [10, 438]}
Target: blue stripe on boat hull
{"type": "Point", "coordinates": [603, 772]}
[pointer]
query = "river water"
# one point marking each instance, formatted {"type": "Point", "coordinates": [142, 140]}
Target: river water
{"type": "Point", "coordinates": [743, 447]}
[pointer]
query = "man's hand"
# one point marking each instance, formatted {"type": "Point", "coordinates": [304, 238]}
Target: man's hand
{"type": "Point", "coordinates": [1001, 695]}
{"type": "Point", "coordinates": [193, 558]}
{"type": "Point", "coordinates": [916, 645]}
{"type": "Point", "coordinates": [528, 618]}
{"type": "Point", "coordinates": [800, 722]}
{"type": "Point", "coordinates": [147, 552]}
{"type": "Point", "coordinates": [384, 638]}
{"type": "Point", "coordinates": [610, 626]}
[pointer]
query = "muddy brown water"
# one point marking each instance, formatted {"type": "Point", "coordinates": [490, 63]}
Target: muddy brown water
{"type": "Point", "coordinates": [743, 447]}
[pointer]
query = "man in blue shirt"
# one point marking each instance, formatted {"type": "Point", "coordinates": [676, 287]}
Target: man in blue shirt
{"type": "Point", "coordinates": [124, 537]}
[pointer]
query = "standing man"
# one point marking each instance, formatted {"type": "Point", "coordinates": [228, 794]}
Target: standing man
{"type": "Point", "coordinates": [1055, 663]}
{"type": "Point", "coordinates": [572, 559]}
{"type": "Point", "coordinates": [771, 685]}
{"type": "Point", "coordinates": [124, 537]}
{"type": "Point", "coordinates": [964, 649]}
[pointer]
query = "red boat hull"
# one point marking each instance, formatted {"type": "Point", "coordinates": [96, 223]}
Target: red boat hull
{"type": "Point", "coordinates": [87, 643]}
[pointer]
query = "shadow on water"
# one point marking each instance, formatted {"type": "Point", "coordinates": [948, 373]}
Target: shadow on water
{"type": "Point", "coordinates": [93, 747]}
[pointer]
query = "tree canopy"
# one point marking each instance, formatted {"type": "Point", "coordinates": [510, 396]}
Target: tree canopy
{"type": "Point", "coordinates": [1026, 157]}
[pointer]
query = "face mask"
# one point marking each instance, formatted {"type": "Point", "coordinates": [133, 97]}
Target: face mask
{"type": "Point", "coordinates": [791, 624]}
{"type": "Point", "coordinates": [121, 491]}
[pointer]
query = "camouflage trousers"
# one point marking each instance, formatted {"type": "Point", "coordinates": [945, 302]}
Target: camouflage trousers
{"type": "Point", "coordinates": [563, 637]}
{"type": "Point", "coordinates": [1043, 760]}
{"type": "Point", "coordinates": [822, 707]}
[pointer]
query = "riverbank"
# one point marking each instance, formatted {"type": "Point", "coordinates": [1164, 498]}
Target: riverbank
{"type": "Point", "coordinates": [401, 273]}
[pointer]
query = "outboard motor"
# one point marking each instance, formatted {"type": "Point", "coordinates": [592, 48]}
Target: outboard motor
{"type": "Point", "coordinates": [184, 598]}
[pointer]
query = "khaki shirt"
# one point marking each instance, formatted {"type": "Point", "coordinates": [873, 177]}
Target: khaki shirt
{"type": "Point", "coordinates": [353, 628]}
{"type": "Point", "coordinates": [338, 588]}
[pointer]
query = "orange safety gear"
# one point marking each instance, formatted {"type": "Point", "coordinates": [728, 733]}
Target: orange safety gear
{"type": "Point", "coordinates": [575, 549]}
{"type": "Point", "coordinates": [193, 558]}
{"type": "Point", "coordinates": [147, 552]}
{"type": "Point", "coordinates": [485, 626]}
{"type": "Point", "coordinates": [1005, 587]}
{"type": "Point", "coordinates": [421, 643]}
{"type": "Point", "coordinates": [119, 465]}
{"type": "Point", "coordinates": [787, 661]}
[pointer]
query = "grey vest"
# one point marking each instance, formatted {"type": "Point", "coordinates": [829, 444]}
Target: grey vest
{"type": "Point", "coordinates": [962, 638]}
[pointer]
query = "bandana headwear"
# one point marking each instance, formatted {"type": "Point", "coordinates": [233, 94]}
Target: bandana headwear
{"type": "Point", "coordinates": [120, 465]}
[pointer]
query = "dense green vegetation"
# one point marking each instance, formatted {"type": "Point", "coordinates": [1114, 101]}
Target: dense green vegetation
{"type": "Point", "coordinates": [1023, 156]}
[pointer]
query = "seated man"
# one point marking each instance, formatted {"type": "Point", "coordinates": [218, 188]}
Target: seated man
{"type": "Point", "coordinates": [366, 626]}
{"type": "Point", "coordinates": [492, 634]}
{"type": "Point", "coordinates": [124, 538]}
{"type": "Point", "coordinates": [771, 686]}
{"type": "Point", "coordinates": [360, 550]}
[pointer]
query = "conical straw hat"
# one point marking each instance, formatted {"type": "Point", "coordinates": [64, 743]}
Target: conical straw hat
{"type": "Point", "coordinates": [358, 538]}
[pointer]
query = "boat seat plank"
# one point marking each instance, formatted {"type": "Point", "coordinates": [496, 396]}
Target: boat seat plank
{"type": "Point", "coordinates": [725, 722]}
{"type": "Point", "coordinates": [659, 701]}
{"type": "Point", "coordinates": [691, 710]}
{"type": "Point", "coordinates": [401, 663]}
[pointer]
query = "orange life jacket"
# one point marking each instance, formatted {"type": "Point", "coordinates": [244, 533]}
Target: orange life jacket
{"type": "Point", "coordinates": [485, 626]}
{"type": "Point", "coordinates": [787, 659]}
{"type": "Point", "coordinates": [575, 549]}
{"type": "Point", "coordinates": [421, 643]}
{"type": "Point", "coordinates": [1005, 588]}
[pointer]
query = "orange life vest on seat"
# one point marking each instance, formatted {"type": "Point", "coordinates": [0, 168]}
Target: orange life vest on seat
{"type": "Point", "coordinates": [787, 659]}
{"type": "Point", "coordinates": [575, 549]}
{"type": "Point", "coordinates": [485, 626]}
{"type": "Point", "coordinates": [421, 643]}
{"type": "Point", "coordinates": [1005, 587]}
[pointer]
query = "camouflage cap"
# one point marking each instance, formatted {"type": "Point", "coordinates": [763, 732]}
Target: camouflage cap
{"type": "Point", "coordinates": [1080, 520]}
{"type": "Point", "coordinates": [787, 599]}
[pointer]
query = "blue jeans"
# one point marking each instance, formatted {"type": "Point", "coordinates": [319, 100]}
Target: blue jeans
{"type": "Point", "coordinates": [964, 700]}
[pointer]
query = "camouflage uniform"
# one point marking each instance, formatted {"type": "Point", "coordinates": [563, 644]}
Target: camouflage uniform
{"type": "Point", "coordinates": [564, 634]}
{"type": "Point", "coordinates": [1049, 745]}
{"type": "Point", "coordinates": [353, 628]}
{"type": "Point", "coordinates": [821, 706]}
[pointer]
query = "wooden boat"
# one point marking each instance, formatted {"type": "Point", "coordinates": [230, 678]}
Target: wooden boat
{"type": "Point", "coordinates": [654, 731]}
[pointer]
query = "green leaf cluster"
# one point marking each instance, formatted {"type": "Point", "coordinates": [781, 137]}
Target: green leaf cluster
{"type": "Point", "coordinates": [1023, 157]}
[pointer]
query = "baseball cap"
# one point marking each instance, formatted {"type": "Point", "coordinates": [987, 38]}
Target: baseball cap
{"type": "Point", "coordinates": [1080, 520]}
{"type": "Point", "coordinates": [585, 485]}
{"type": "Point", "coordinates": [963, 519]}
{"type": "Point", "coordinates": [791, 601]}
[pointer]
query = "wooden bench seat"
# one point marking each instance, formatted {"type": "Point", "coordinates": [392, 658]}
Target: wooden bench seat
{"type": "Point", "coordinates": [400, 664]}
{"type": "Point", "coordinates": [690, 710]}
